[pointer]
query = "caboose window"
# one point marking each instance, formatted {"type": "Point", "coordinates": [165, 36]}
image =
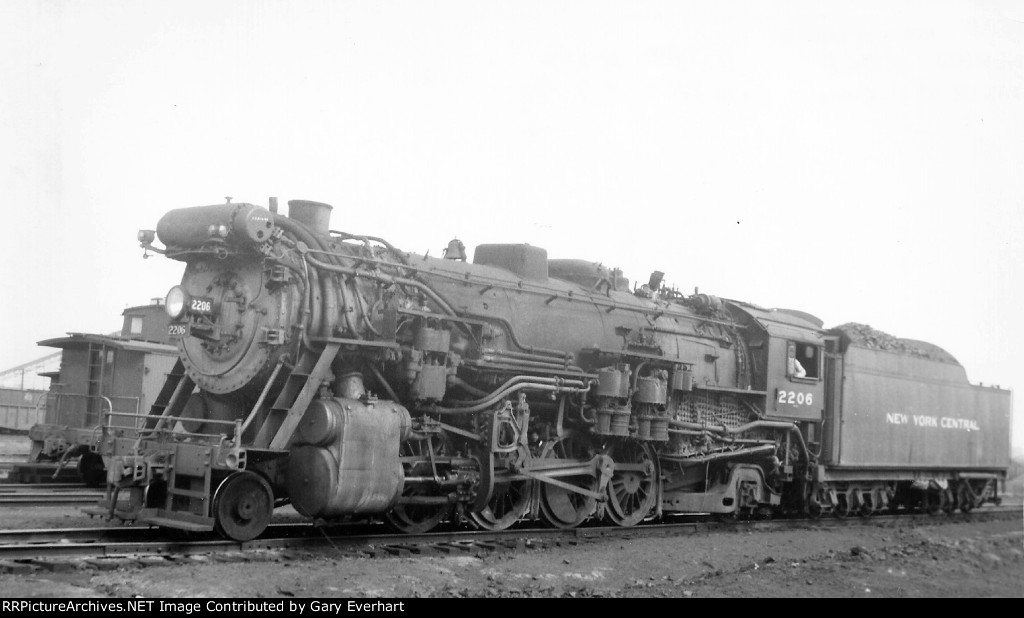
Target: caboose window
{"type": "Point", "coordinates": [804, 360]}
{"type": "Point", "coordinates": [136, 325]}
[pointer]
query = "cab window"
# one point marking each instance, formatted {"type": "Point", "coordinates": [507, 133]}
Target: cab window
{"type": "Point", "coordinates": [803, 360]}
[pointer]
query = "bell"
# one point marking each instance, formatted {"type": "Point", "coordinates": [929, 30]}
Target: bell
{"type": "Point", "coordinates": [455, 251]}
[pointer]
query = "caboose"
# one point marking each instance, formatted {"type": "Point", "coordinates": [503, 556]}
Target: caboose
{"type": "Point", "coordinates": [351, 379]}
{"type": "Point", "coordinates": [103, 384]}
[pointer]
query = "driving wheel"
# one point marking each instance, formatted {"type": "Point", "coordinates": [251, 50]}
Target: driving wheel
{"type": "Point", "coordinates": [633, 488]}
{"type": "Point", "coordinates": [434, 508]}
{"type": "Point", "coordinates": [559, 506]}
{"type": "Point", "coordinates": [510, 500]}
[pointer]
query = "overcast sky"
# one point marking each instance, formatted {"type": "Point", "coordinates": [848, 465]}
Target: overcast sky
{"type": "Point", "coordinates": [861, 161]}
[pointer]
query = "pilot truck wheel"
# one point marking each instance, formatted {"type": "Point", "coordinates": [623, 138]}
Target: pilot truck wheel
{"type": "Point", "coordinates": [243, 505]}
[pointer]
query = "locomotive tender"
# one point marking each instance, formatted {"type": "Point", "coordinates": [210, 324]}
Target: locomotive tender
{"type": "Point", "coordinates": [334, 372]}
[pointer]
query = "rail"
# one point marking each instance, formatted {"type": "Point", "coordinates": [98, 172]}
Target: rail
{"type": "Point", "coordinates": [126, 545]}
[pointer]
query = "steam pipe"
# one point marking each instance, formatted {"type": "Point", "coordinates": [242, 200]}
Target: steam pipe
{"type": "Point", "coordinates": [515, 380]}
{"type": "Point", "coordinates": [383, 382]}
{"type": "Point", "coordinates": [720, 456]}
{"type": "Point", "coordinates": [490, 358]}
{"type": "Point", "coordinates": [466, 386]}
{"type": "Point", "coordinates": [347, 236]}
{"type": "Point", "coordinates": [345, 270]}
{"type": "Point", "coordinates": [302, 233]}
{"type": "Point", "coordinates": [498, 396]}
{"type": "Point", "coordinates": [754, 425]}
{"type": "Point", "coordinates": [316, 318]}
{"type": "Point", "coordinates": [347, 306]}
{"type": "Point", "coordinates": [521, 355]}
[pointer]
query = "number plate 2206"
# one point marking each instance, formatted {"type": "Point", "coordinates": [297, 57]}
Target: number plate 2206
{"type": "Point", "coordinates": [201, 306]}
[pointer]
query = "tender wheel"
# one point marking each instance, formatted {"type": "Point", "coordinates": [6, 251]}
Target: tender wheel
{"type": "Point", "coordinates": [243, 506]}
{"type": "Point", "coordinates": [728, 518]}
{"type": "Point", "coordinates": [966, 498]}
{"type": "Point", "coordinates": [633, 488]}
{"type": "Point", "coordinates": [560, 507]}
{"type": "Point", "coordinates": [412, 518]}
{"type": "Point", "coordinates": [931, 503]}
{"type": "Point", "coordinates": [865, 506]}
{"type": "Point", "coordinates": [92, 470]}
{"type": "Point", "coordinates": [814, 510]}
{"type": "Point", "coordinates": [948, 501]}
{"type": "Point", "coordinates": [842, 505]}
{"type": "Point", "coordinates": [818, 501]}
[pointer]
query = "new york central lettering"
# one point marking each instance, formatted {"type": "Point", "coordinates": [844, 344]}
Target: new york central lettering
{"type": "Point", "coordinates": [925, 421]}
{"type": "Point", "coordinates": [922, 420]}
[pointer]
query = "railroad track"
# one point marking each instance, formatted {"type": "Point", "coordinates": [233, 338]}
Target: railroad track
{"type": "Point", "coordinates": [134, 546]}
{"type": "Point", "coordinates": [17, 488]}
{"type": "Point", "coordinates": [16, 494]}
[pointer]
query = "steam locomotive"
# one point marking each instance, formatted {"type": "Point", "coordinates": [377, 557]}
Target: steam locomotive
{"type": "Point", "coordinates": [334, 372]}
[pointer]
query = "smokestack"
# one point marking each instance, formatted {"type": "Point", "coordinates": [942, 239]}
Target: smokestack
{"type": "Point", "coordinates": [314, 215]}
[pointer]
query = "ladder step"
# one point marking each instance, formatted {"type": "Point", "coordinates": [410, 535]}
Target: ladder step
{"type": "Point", "coordinates": [191, 493]}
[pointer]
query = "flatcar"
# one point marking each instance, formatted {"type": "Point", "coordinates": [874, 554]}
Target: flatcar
{"type": "Point", "coordinates": [353, 380]}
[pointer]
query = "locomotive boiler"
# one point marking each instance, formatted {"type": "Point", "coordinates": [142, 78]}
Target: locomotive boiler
{"type": "Point", "coordinates": [351, 379]}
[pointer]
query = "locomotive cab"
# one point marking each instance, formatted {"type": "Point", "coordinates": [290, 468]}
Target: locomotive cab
{"type": "Point", "coordinates": [792, 349]}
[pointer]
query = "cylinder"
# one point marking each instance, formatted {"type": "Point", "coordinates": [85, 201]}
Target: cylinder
{"type": "Point", "coordinates": [314, 215]}
{"type": "Point", "coordinates": [345, 460]}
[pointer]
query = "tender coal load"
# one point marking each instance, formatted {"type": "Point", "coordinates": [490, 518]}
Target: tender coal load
{"type": "Point", "coordinates": [862, 335]}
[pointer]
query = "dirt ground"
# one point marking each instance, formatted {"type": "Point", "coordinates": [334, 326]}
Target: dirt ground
{"type": "Point", "coordinates": [953, 560]}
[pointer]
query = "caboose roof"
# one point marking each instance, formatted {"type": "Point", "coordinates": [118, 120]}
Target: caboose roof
{"type": "Point", "coordinates": [81, 340]}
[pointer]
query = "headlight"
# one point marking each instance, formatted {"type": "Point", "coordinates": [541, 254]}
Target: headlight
{"type": "Point", "coordinates": [177, 300]}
